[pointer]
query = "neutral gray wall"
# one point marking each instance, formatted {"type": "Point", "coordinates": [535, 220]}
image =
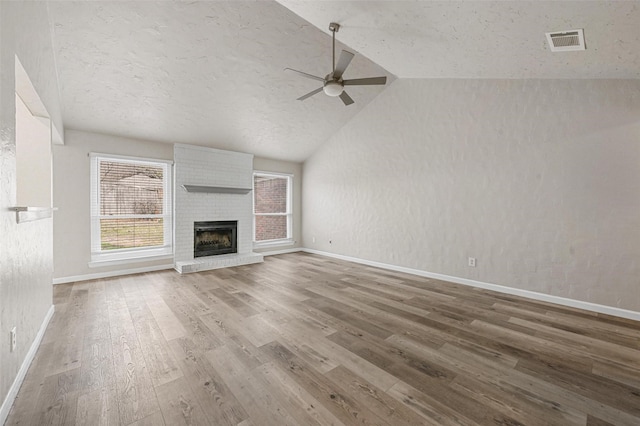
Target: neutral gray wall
{"type": "Point", "coordinates": [295, 169]}
{"type": "Point", "coordinates": [537, 179]}
{"type": "Point", "coordinates": [26, 262]}
{"type": "Point", "coordinates": [71, 186]}
{"type": "Point", "coordinates": [71, 189]}
{"type": "Point", "coordinates": [33, 158]}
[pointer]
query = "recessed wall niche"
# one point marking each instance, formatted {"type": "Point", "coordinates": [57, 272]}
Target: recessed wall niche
{"type": "Point", "coordinates": [33, 145]}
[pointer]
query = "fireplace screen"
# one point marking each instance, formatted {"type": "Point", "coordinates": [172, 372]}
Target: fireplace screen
{"type": "Point", "coordinates": [213, 238]}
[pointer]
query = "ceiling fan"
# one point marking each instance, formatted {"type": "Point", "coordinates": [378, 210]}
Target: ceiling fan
{"type": "Point", "coordinates": [333, 84]}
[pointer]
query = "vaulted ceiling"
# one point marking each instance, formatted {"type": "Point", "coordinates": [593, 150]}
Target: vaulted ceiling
{"type": "Point", "coordinates": [486, 39]}
{"type": "Point", "coordinates": [211, 72]}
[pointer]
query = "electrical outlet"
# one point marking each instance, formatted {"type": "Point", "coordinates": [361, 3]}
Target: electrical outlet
{"type": "Point", "coordinates": [13, 339]}
{"type": "Point", "coordinates": [472, 262]}
{"type": "Point", "coordinates": [313, 239]}
{"type": "Point", "coordinates": [329, 241]}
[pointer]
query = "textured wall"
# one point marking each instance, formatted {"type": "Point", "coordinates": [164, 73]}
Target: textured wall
{"type": "Point", "coordinates": [537, 179]}
{"type": "Point", "coordinates": [33, 158]}
{"type": "Point", "coordinates": [25, 249]}
{"type": "Point", "coordinates": [71, 189]}
{"type": "Point", "coordinates": [71, 185]}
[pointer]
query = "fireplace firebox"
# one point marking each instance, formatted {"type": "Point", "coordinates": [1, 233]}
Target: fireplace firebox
{"type": "Point", "coordinates": [215, 237]}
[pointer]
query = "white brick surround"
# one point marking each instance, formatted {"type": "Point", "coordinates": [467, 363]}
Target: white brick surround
{"type": "Point", "coordinates": [212, 167]}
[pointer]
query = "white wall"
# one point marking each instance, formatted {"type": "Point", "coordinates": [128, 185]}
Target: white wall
{"type": "Point", "coordinates": [25, 249]}
{"type": "Point", "coordinates": [537, 179]}
{"type": "Point", "coordinates": [71, 185]}
{"type": "Point", "coordinates": [295, 169]}
{"type": "Point", "coordinates": [71, 189]}
{"type": "Point", "coordinates": [33, 158]}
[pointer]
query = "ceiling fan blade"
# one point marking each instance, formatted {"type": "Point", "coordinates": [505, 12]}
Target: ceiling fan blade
{"type": "Point", "coordinates": [310, 94]}
{"type": "Point", "coordinates": [365, 81]}
{"type": "Point", "coordinates": [304, 74]}
{"type": "Point", "coordinates": [346, 98]}
{"type": "Point", "coordinates": [343, 63]}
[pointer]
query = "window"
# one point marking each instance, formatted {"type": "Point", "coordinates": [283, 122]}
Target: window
{"type": "Point", "coordinates": [272, 208]}
{"type": "Point", "coordinates": [130, 208]}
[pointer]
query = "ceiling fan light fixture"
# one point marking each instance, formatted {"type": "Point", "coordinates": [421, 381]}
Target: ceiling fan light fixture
{"type": "Point", "coordinates": [333, 84]}
{"type": "Point", "coordinates": [333, 88]}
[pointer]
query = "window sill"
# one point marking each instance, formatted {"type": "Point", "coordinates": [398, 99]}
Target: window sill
{"type": "Point", "coordinates": [123, 258]}
{"type": "Point", "coordinates": [274, 243]}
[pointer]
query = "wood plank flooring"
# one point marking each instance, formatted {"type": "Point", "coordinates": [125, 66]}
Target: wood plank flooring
{"type": "Point", "coordinates": [309, 340]}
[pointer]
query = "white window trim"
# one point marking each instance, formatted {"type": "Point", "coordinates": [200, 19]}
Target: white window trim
{"type": "Point", "coordinates": [141, 254]}
{"type": "Point", "coordinates": [280, 241]}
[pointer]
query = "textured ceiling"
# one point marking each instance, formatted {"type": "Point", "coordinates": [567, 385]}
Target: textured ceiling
{"type": "Point", "coordinates": [206, 72]}
{"type": "Point", "coordinates": [485, 39]}
{"type": "Point", "coordinates": [211, 72]}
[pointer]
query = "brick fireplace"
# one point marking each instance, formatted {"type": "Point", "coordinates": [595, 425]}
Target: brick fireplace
{"type": "Point", "coordinates": [212, 185]}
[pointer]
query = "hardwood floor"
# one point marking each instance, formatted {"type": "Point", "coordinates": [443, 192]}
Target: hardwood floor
{"type": "Point", "coordinates": [309, 340]}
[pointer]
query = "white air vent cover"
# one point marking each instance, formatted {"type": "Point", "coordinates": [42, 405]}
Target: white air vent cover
{"type": "Point", "coordinates": [564, 41]}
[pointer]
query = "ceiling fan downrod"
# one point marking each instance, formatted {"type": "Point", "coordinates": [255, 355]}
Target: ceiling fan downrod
{"type": "Point", "coordinates": [333, 83]}
{"type": "Point", "coordinates": [334, 28]}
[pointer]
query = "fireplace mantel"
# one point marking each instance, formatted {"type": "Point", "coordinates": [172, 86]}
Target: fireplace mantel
{"type": "Point", "coordinates": [216, 189]}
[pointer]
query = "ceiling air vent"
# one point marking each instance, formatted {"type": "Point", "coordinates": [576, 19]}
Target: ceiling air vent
{"type": "Point", "coordinates": [564, 41]}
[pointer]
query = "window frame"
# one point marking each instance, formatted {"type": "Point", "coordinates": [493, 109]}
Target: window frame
{"type": "Point", "coordinates": [289, 213]}
{"type": "Point", "coordinates": [101, 257]}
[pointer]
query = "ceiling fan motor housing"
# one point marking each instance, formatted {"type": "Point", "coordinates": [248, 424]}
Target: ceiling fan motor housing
{"type": "Point", "coordinates": [333, 84]}
{"type": "Point", "coordinates": [333, 88]}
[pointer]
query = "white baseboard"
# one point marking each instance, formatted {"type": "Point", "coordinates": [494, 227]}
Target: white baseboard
{"type": "Point", "coordinates": [15, 387]}
{"type": "Point", "coordinates": [588, 306]}
{"type": "Point", "coordinates": [86, 277]}
{"type": "Point", "coordinates": [285, 251]}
